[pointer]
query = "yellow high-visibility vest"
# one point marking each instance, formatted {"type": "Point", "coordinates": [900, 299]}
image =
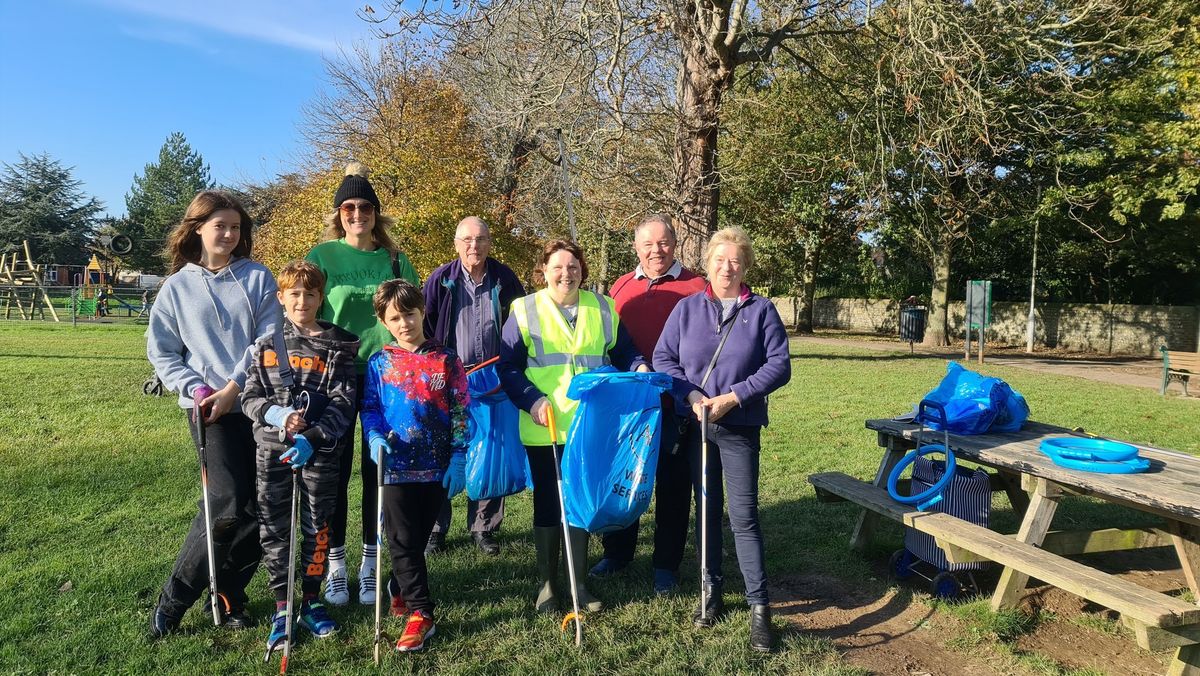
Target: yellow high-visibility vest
{"type": "Point", "coordinates": [556, 352]}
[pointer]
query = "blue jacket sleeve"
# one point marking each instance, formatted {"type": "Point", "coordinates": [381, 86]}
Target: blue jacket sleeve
{"type": "Point", "coordinates": [624, 354]}
{"type": "Point", "coordinates": [666, 359]}
{"type": "Point", "coordinates": [514, 358]}
{"type": "Point", "coordinates": [373, 422]}
{"type": "Point", "coordinates": [776, 371]}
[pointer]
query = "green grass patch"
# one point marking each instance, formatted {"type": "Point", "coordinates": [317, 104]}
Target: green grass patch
{"type": "Point", "coordinates": [99, 484]}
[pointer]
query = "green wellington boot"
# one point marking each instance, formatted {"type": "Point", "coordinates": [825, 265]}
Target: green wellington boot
{"type": "Point", "coordinates": [546, 542]}
{"type": "Point", "coordinates": [579, 549]}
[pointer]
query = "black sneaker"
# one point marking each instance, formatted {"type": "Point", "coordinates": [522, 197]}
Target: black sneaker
{"type": "Point", "coordinates": [437, 543]}
{"type": "Point", "coordinates": [161, 623]}
{"type": "Point", "coordinates": [487, 542]}
{"type": "Point", "coordinates": [232, 617]}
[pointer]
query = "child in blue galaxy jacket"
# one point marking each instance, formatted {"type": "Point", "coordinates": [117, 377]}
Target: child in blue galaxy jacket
{"type": "Point", "coordinates": [414, 417]}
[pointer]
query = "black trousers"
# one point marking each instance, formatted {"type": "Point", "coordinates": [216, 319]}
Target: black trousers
{"type": "Point", "coordinates": [546, 511]}
{"type": "Point", "coordinates": [230, 450]}
{"type": "Point", "coordinates": [409, 511]}
{"type": "Point", "coordinates": [672, 506]}
{"type": "Point", "coordinates": [318, 483]}
{"type": "Point", "coordinates": [345, 452]}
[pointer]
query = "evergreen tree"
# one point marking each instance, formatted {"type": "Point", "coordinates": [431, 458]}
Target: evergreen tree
{"type": "Point", "coordinates": [158, 198]}
{"type": "Point", "coordinates": [41, 202]}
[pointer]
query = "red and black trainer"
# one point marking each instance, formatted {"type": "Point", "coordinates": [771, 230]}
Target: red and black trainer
{"type": "Point", "coordinates": [417, 630]}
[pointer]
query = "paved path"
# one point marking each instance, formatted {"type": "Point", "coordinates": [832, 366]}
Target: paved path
{"type": "Point", "coordinates": [1133, 371]}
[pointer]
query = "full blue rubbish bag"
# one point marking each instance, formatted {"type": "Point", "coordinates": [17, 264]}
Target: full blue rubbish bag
{"type": "Point", "coordinates": [611, 455]}
{"type": "Point", "coordinates": [977, 404]}
{"type": "Point", "coordinates": [496, 460]}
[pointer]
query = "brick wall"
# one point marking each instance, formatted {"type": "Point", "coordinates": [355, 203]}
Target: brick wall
{"type": "Point", "coordinates": [1079, 327]}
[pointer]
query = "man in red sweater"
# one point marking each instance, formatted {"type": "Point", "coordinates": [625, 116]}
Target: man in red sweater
{"type": "Point", "coordinates": [644, 299]}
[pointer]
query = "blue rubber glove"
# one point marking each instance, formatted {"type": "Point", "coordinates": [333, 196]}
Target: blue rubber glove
{"type": "Point", "coordinates": [276, 416]}
{"type": "Point", "coordinates": [299, 453]}
{"type": "Point", "coordinates": [379, 449]}
{"type": "Point", "coordinates": [455, 479]}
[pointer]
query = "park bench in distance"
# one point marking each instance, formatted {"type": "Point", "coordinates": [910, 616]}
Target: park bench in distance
{"type": "Point", "coordinates": [1179, 366]}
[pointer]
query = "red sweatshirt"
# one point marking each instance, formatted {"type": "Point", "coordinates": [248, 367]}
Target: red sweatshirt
{"type": "Point", "coordinates": [644, 304]}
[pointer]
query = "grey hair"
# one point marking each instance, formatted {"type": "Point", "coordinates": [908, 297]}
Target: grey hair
{"type": "Point", "coordinates": [665, 219]}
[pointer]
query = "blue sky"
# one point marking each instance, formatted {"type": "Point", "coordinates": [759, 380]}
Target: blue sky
{"type": "Point", "coordinates": [100, 84]}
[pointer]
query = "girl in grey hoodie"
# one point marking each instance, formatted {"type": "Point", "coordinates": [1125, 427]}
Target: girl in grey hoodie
{"type": "Point", "coordinates": [208, 315]}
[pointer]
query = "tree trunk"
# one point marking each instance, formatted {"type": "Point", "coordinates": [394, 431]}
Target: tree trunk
{"type": "Point", "coordinates": [517, 158]}
{"type": "Point", "coordinates": [936, 329]}
{"type": "Point", "coordinates": [808, 288]}
{"type": "Point", "coordinates": [697, 190]}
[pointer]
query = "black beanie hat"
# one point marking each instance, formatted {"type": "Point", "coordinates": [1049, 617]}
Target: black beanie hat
{"type": "Point", "coordinates": [355, 184]}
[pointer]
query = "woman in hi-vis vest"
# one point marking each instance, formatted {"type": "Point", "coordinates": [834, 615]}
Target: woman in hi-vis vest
{"type": "Point", "coordinates": [549, 337]}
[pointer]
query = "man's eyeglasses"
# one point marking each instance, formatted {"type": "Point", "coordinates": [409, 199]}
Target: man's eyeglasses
{"type": "Point", "coordinates": [365, 209]}
{"type": "Point", "coordinates": [474, 240]}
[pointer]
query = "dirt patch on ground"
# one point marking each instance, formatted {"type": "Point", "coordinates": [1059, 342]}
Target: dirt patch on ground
{"type": "Point", "coordinates": [891, 633]}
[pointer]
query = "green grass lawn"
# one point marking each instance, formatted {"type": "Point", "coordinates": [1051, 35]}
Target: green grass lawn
{"type": "Point", "coordinates": [100, 482]}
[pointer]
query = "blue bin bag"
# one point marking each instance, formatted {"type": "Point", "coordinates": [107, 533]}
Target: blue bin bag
{"type": "Point", "coordinates": [611, 455]}
{"type": "Point", "coordinates": [496, 461]}
{"type": "Point", "coordinates": [977, 404]}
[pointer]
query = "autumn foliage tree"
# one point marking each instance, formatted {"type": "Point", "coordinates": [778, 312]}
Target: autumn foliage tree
{"type": "Point", "coordinates": [391, 110]}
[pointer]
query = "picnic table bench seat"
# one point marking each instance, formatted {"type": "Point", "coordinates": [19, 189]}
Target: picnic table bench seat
{"type": "Point", "coordinates": [1159, 621]}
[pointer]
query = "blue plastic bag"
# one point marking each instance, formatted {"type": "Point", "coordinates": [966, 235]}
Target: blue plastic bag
{"type": "Point", "coordinates": [496, 462]}
{"type": "Point", "coordinates": [977, 404]}
{"type": "Point", "coordinates": [611, 454]}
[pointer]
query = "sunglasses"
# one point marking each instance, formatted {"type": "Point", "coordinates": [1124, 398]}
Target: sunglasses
{"type": "Point", "coordinates": [348, 208]}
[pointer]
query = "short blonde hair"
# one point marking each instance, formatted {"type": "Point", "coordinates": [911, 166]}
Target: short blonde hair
{"type": "Point", "coordinates": [736, 237]}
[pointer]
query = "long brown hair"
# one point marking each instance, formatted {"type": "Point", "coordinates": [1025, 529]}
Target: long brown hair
{"type": "Point", "coordinates": [183, 245]}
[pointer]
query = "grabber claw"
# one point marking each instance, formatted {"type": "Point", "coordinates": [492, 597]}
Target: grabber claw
{"type": "Point", "coordinates": [277, 644]}
{"type": "Point", "coordinates": [567, 620]}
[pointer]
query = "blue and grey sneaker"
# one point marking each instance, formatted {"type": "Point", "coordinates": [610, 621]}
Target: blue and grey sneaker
{"type": "Point", "coordinates": [665, 581]}
{"type": "Point", "coordinates": [278, 631]}
{"type": "Point", "coordinates": [316, 619]}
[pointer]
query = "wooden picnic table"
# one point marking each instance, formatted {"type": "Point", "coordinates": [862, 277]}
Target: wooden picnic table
{"type": "Point", "coordinates": [1170, 489]}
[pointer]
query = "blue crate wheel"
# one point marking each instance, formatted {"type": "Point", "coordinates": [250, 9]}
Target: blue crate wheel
{"type": "Point", "coordinates": [901, 564]}
{"type": "Point", "coordinates": [945, 586]}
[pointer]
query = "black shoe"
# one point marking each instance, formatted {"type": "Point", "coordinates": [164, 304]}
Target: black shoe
{"type": "Point", "coordinates": [232, 617]}
{"type": "Point", "coordinates": [761, 638]}
{"type": "Point", "coordinates": [437, 543]}
{"type": "Point", "coordinates": [486, 541]}
{"type": "Point", "coordinates": [710, 608]}
{"type": "Point", "coordinates": [161, 623]}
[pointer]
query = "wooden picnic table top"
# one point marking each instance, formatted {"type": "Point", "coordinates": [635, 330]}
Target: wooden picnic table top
{"type": "Point", "coordinates": [1171, 487]}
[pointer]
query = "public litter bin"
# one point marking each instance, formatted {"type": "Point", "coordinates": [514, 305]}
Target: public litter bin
{"type": "Point", "coordinates": [912, 324]}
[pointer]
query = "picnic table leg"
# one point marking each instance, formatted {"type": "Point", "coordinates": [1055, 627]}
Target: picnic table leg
{"type": "Point", "coordinates": [1186, 661]}
{"type": "Point", "coordinates": [865, 528]}
{"type": "Point", "coordinates": [1186, 538]}
{"type": "Point", "coordinates": [1042, 505]}
{"type": "Point", "coordinates": [1017, 497]}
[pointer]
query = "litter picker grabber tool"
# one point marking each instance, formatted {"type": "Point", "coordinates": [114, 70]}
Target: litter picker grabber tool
{"type": "Point", "coordinates": [392, 439]}
{"type": "Point", "coordinates": [215, 598]}
{"type": "Point", "coordinates": [286, 639]}
{"type": "Point", "coordinates": [475, 367]}
{"type": "Point", "coordinates": [562, 508]}
{"type": "Point", "coordinates": [705, 588]}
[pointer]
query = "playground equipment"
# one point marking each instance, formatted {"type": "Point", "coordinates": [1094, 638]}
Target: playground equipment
{"type": "Point", "coordinates": [22, 282]}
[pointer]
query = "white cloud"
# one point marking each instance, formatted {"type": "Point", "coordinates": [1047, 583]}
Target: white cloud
{"type": "Point", "coordinates": [308, 25]}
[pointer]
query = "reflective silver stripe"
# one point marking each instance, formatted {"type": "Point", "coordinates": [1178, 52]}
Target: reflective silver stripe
{"type": "Point", "coordinates": [535, 328]}
{"type": "Point", "coordinates": [588, 361]}
{"type": "Point", "coordinates": [606, 320]}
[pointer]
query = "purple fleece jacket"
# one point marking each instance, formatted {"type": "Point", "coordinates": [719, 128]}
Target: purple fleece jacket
{"type": "Point", "coordinates": [753, 363]}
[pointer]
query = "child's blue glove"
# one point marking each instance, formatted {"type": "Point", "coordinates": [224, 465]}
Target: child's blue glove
{"type": "Point", "coordinates": [379, 449]}
{"type": "Point", "coordinates": [455, 479]}
{"type": "Point", "coordinates": [276, 416]}
{"type": "Point", "coordinates": [299, 453]}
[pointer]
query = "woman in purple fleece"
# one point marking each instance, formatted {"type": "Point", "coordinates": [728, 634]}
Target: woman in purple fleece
{"type": "Point", "coordinates": [753, 363]}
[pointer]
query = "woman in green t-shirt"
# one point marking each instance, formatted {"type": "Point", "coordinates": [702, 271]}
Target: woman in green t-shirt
{"type": "Point", "coordinates": [357, 255]}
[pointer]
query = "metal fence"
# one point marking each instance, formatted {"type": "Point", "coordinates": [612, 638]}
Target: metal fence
{"type": "Point", "coordinates": [25, 303]}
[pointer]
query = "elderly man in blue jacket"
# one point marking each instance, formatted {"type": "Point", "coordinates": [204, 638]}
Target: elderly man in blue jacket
{"type": "Point", "coordinates": [466, 303]}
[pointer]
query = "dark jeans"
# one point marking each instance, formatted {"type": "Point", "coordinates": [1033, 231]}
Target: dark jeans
{"type": "Point", "coordinates": [672, 502]}
{"type": "Point", "coordinates": [733, 453]}
{"type": "Point", "coordinates": [409, 511]}
{"type": "Point", "coordinates": [229, 447]}
{"type": "Point", "coordinates": [482, 515]}
{"type": "Point", "coordinates": [337, 524]}
{"type": "Point", "coordinates": [546, 511]}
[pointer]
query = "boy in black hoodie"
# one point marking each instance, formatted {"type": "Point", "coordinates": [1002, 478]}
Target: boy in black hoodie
{"type": "Point", "coordinates": [296, 426]}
